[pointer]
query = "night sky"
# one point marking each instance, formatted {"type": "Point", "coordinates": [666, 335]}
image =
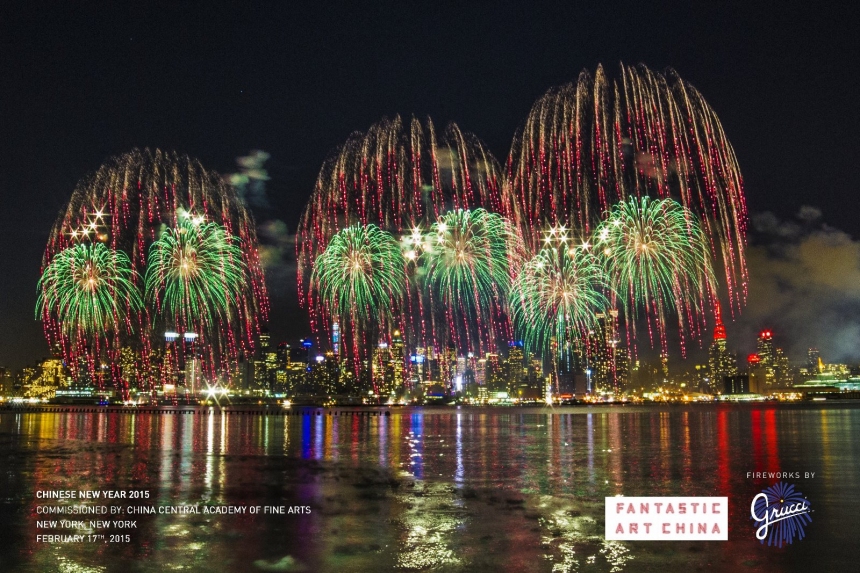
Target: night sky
{"type": "Point", "coordinates": [81, 83]}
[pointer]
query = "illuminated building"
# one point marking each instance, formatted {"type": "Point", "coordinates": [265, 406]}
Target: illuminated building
{"type": "Point", "coordinates": [664, 365]}
{"type": "Point", "coordinates": [449, 365]}
{"type": "Point", "coordinates": [772, 364]}
{"type": "Point", "coordinates": [335, 339]}
{"type": "Point", "coordinates": [513, 369]}
{"type": "Point", "coordinates": [169, 368]}
{"type": "Point", "coordinates": [44, 379]}
{"type": "Point", "coordinates": [397, 361]}
{"type": "Point", "coordinates": [327, 374]}
{"type": "Point", "coordinates": [481, 372]}
{"type": "Point", "coordinates": [264, 368]}
{"type": "Point", "coordinates": [297, 368]}
{"type": "Point", "coordinates": [418, 370]}
{"type": "Point", "coordinates": [757, 377]}
{"type": "Point", "coordinates": [737, 384]}
{"type": "Point", "coordinates": [721, 363]}
{"type": "Point", "coordinates": [493, 378]}
{"type": "Point", "coordinates": [813, 361]}
{"type": "Point", "coordinates": [389, 364]}
{"type": "Point", "coordinates": [242, 377]}
{"type": "Point", "coordinates": [424, 366]}
{"type": "Point", "coordinates": [381, 357]}
{"type": "Point", "coordinates": [459, 374]}
{"type": "Point", "coordinates": [281, 368]}
{"type": "Point", "coordinates": [606, 358]}
{"type": "Point", "coordinates": [23, 381]}
{"type": "Point", "coordinates": [192, 367]}
{"type": "Point", "coordinates": [782, 369]}
{"type": "Point", "coordinates": [6, 382]}
{"type": "Point", "coordinates": [535, 373]}
{"type": "Point", "coordinates": [130, 368]}
{"type": "Point", "coordinates": [765, 348]}
{"type": "Point", "coordinates": [272, 365]}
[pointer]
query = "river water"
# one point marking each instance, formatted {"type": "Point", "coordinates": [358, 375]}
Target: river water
{"type": "Point", "coordinates": [433, 489]}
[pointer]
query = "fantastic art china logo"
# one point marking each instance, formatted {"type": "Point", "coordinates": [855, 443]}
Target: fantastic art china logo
{"type": "Point", "coordinates": [780, 514]}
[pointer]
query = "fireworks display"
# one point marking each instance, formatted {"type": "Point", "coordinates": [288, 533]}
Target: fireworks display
{"type": "Point", "coordinates": [425, 233]}
{"type": "Point", "coordinates": [89, 290]}
{"type": "Point", "coordinates": [401, 177]}
{"type": "Point", "coordinates": [361, 277]}
{"type": "Point", "coordinates": [556, 297]}
{"type": "Point", "coordinates": [125, 206]}
{"type": "Point", "coordinates": [658, 260]}
{"type": "Point", "coordinates": [195, 275]}
{"type": "Point", "coordinates": [589, 145]}
{"type": "Point", "coordinates": [469, 257]}
{"type": "Point", "coordinates": [641, 164]}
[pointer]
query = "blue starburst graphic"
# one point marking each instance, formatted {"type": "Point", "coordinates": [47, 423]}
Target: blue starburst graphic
{"type": "Point", "coordinates": [780, 514]}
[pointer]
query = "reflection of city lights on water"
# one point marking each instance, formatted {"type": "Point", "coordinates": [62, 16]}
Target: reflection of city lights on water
{"type": "Point", "coordinates": [430, 529]}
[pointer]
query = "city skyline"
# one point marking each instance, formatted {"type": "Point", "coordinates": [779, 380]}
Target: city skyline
{"type": "Point", "coordinates": [602, 369]}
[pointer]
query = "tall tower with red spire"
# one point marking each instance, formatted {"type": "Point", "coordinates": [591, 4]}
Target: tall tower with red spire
{"type": "Point", "coordinates": [721, 362]}
{"type": "Point", "coordinates": [719, 329]}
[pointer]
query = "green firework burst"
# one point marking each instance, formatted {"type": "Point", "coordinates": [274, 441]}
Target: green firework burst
{"type": "Point", "coordinates": [658, 258]}
{"type": "Point", "coordinates": [468, 261]}
{"type": "Point", "coordinates": [195, 273]}
{"type": "Point", "coordinates": [89, 289]}
{"type": "Point", "coordinates": [361, 275]}
{"type": "Point", "coordinates": [556, 297]}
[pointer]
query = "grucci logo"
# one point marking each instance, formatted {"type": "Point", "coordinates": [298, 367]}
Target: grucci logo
{"type": "Point", "coordinates": [667, 518]}
{"type": "Point", "coordinates": [780, 514]}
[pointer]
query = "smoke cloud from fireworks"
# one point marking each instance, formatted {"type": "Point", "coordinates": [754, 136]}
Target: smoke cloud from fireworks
{"type": "Point", "coordinates": [277, 244]}
{"type": "Point", "coordinates": [804, 285]}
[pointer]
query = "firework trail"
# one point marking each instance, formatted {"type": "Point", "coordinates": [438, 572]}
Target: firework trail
{"type": "Point", "coordinates": [468, 259]}
{"type": "Point", "coordinates": [556, 297]}
{"type": "Point", "coordinates": [125, 206]}
{"type": "Point", "coordinates": [657, 258]}
{"type": "Point", "coordinates": [195, 275]}
{"type": "Point", "coordinates": [589, 145]}
{"type": "Point", "coordinates": [88, 298]}
{"type": "Point", "coordinates": [360, 279]}
{"type": "Point", "coordinates": [89, 290]}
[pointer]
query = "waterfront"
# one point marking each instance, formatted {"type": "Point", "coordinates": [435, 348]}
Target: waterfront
{"type": "Point", "coordinates": [442, 489]}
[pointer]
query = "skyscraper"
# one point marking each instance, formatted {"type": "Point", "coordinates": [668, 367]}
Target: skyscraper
{"type": "Point", "coordinates": [765, 348]}
{"type": "Point", "coordinates": [772, 361]}
{"type": "Point", "coordinates": [265, 364]}
{"type": "Point", "coordinates": [389, 364]}
{"type": "Point", "coordinates": [493, 376]}
{"type": "Point", "coordinates": [381, 357]}
{"type": "Point", "coordinates": [813, 359]}
{"type": "Point", "coordinates": [265, 338]}
{"type": "Point", "coordinates": [335, 339]}
{"type": "Point", "coordinates": [721, 363]}
{"type": "Point", "coordinates": [513, 369]}
{"type": "Point", "coordinates": [449, 365]}
{"type": "Point", "coordinates": [607, 357]}
{"type": "Point", "coordinates": [397, 361]}
{"type": "Point", "coordinates": [282, 355]}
